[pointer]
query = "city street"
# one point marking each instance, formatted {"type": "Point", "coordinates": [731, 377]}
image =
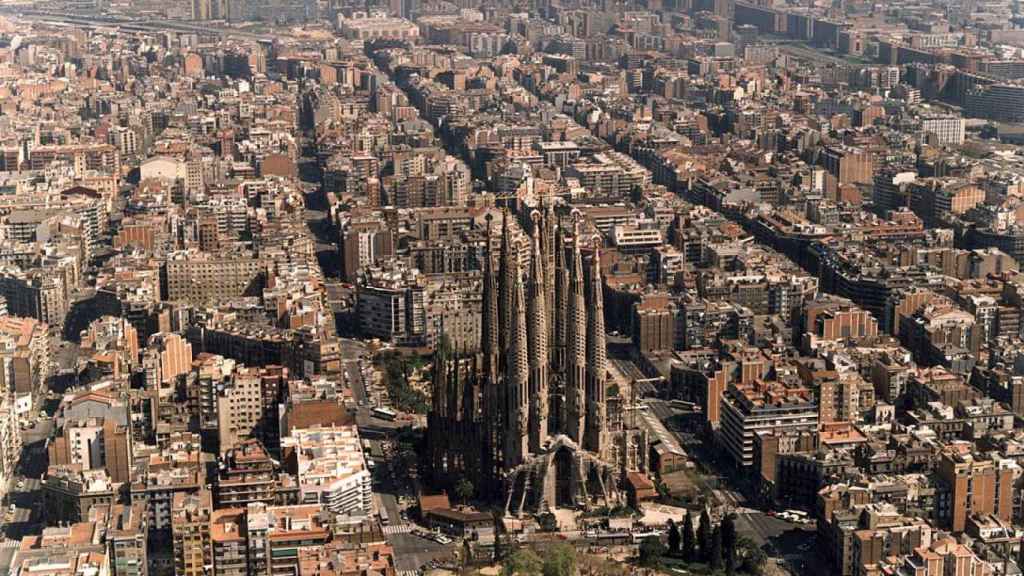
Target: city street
{"type": "Point", "coordinates": [27, 498]}
{"type": "Point", "coordinates": [794, 543]}
{"type": "Point", "coordinates": [412, 551]}
{"type": "Point", "coordinates": [326, 243]}
{"type": "Point", "coordinates": [351, 350]}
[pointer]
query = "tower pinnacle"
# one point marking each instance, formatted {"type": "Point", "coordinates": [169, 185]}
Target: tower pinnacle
{"type": "Point", "coordinates": [537, 326]}
{"type": "Point", "coordinates": [575, 343]}
{"type": "Point", "coordinates": [596, 425]}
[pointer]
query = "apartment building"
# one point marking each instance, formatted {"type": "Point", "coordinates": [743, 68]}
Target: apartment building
{"type": "Point", "coordinates": [948, 130]}
{"type": "Point", "coordinates": [747, 409]}
{"type": "Point", "coordinates": [35, 293]}
{"type": "Point", "coordinates": [94, 431]}
{"type": "Point", "coordinates": [69, 493]}
{"type": "Point", "coordinates": [848, 165]}
{"type": "Point", "coordinates": [832, 319]}
{"type": "Point", "coordinates": [247, 405]}
{"type": "Point", "coordinates": [330, 467]}
{"type": "Point", "coordinates": [247, 475]}
{"type": "Point", "coordinates": [83, 157]}
{"type": "Point", "coordinates": [127, 533]}
{"type": "Point", "coordinates": [177, 469]}
{"type": "Point", "coordinates": [26, 354]}
{"type": "Point", "coordinates": [190, 533]}
{"type": "Point", "coordinates": [74, 550]}
{"type": "Point", "coordinates": [392, 306]}
{"type": "Point", "coordinates": [167, 357]}
{"type": "Point", "coordinates": [971, 485]}
{"type": "Point", "coordinates": [199, 277]}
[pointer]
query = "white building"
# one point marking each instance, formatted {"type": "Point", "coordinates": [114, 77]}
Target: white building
{"type": "Point", "coordinates": [332, 470]}
{"type": "Point", "coordinates": [377, 27]}
{"type": "Point", "coordinates": [947, 128]}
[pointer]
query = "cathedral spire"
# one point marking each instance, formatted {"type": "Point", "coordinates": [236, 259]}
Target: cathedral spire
{"type": "Point", "coordinates": [490, 349]}
{"type": "Point", "coordinates": [505, 279]}
{"type": "Point", "coordinates": [454, 387]}
{"type": "Point", "coordinates": [575, 343]}
{"type": "Point", "coordinates": [469, 393]}
{"type": "Point", "coordinates": [439, 383]}
{"type": "Point", "coordinates": [439, 409]}
{"type": "Point", "coordinates": [537, 326]}
{"type": "Point", "coordinates": [517, 377]}
{"type": "Point", "coordinates": [547, 249]}
{"type": "Point", "coordinates": [597, 361]}
{"type": "Point", "coordinates": [561, 306]}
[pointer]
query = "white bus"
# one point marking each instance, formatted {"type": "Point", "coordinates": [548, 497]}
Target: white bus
{"type": "Point", "coordinates": [639, 537]}
{"type": "Point", "coordinates": [385, 413]}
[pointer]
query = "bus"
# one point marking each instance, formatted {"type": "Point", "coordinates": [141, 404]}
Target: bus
{"type": "Point", "coordinates": [383, 513]}
{"type": "Point", "coordinates": [613, 538]}
{"type": "Point", "coordinates": [384, 413]}
{"type": "Point", "coordinates": [639, 537]}
{"type": "Point", "coordinates": [682, 404]}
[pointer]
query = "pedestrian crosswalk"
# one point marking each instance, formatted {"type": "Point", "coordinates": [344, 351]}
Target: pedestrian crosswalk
{"type": "Point", "coordinates": [408, 573]}
{"type": "Point", "coordinates": [398, 529]}
{"type": "Point", "coordinates": [9, 544]}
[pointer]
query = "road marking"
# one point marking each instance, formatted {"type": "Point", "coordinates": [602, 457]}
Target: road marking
{"type": "Point", "coordinates": [398, 529]}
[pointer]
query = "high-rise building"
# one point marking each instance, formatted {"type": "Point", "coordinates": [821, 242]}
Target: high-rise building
{"type": "Point", "coordinates": [167, 357]}
{"type": "Point", "coordinates": [364, 242]}
{"type": "Point", "coordinates": [330, 468]}
{"type": "Point", "coordinates": [971, 485]}
{"type": "Point", "coordinates": [848, 165]}
{"type": "Point", "coordinates": [1003, 102]}
{"type": "Point", "coordinates": [750, 408]}
{"type": "Point", "coordinates": [190, 532]}
{"type": "Point", "coordinates": [202, 277]}
{"type": "Point", "coordinates": [94, 434]}
{"type": "Point", "coordinates": [948, 130]}
{"type": "Point", "coordinates": [127, 532]}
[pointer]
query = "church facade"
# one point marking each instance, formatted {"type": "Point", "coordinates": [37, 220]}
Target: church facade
{"type": "Point", "coordinates": [526, 418]}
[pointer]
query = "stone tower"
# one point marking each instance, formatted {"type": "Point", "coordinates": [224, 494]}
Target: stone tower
{"type": "Point", "coordinates": [595, 439]}
{"type": "Point", "coordinates": [537, 330]}
{"type": "Point", "coordinates": [517, 377]}
{"type": "Point", "coordinates": [575, 345]}
{"type": "Point", "coordinates": [492, 394]}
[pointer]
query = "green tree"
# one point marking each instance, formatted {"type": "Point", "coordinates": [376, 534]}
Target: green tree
{"type": "Point", "coordinates": [559, 560]}
{"type": "Point", "coordinates": [704, 536]}
{"type": "Point", "coordinates": [673, 538]}
{"type": "Point", "coordinates": [522, 562]}
{"type": "Point", "coordinates": [689, 540]}
{"type": "Point", "coordinates": [729, 544]}
{"type": "Point", "coordinates": [651, 551]}
{"type": "Point", "coordinates": [754, 561]}
{"type": "Point", "coordinates": [715, 559]}
{"type": "Point", "coordinates": [464, 489]}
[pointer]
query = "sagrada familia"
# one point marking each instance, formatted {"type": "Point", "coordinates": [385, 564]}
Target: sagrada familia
{"type": "Point", "coordinates": [526, 419]}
